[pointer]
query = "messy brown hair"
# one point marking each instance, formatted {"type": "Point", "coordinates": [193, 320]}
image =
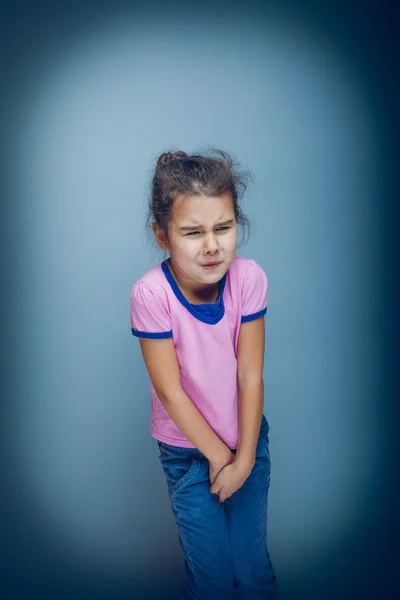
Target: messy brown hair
{"type": "Point", "coordinates": [211, 174]}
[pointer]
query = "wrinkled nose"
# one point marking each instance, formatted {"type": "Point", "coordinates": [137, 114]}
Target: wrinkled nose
{"type": "Point", "coordinates": [211, 244]}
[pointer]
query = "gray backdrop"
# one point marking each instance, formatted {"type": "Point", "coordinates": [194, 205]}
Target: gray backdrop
{"type": "Point", "coordinates": [97, 98]}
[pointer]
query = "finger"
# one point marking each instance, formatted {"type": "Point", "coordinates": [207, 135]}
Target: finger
{"type": "Point", "coordinates": [216, 488]}
{"type": "Point", "coordinates": [224, 495]}
{"type": "Point", "coordinates": [214, 480]}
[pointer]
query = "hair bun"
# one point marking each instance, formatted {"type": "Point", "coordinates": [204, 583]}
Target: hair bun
{"type": "Point", "coordinates": [170, 156]}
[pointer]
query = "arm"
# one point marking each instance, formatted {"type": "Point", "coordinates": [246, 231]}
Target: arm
{"type": "Point", "coordinates": [251, 347]}
{"type": "Point", "coordinates": [251, 401]}
{"type": "Point", "coordinates": [162, 365]}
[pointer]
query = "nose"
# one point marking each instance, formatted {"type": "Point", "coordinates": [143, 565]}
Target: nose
{"type": "Point", "coordinates": [211, 244]}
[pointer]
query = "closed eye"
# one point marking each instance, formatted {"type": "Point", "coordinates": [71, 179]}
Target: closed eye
{"type": "Point", "coordinates": [222, 228]}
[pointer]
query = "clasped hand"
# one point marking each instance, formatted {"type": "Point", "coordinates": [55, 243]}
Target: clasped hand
{"type": "Point", "coordinates": [230, 479]}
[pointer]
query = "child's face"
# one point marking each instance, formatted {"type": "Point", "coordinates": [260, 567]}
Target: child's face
{"type": "Point", "coordinates": [202, 230]}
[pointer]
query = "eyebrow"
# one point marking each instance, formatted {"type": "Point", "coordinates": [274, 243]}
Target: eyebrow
{"type": "Point", "coordinates": [195, 227]}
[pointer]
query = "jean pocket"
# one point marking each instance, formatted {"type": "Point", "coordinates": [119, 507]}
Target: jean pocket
{"type": "Point", "coordinates": [179, 466]}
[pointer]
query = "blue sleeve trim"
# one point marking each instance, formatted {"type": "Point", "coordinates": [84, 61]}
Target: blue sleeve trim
{"type": "Point", "coordinates": [254, 316]}
{"type": "Point", "coordinates": [152, 336]}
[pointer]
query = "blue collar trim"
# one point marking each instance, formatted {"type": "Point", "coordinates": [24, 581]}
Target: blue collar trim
{"type": "Point", "coordinates": [207, 313]}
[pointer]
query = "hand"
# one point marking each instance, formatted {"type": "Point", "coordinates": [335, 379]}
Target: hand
{"type": "Point", "coordinates": [230, 479]}
{"type": "Point", "coordinates": [217, 465]}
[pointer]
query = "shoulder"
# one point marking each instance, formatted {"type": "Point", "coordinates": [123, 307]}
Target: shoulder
{"type": "Point", "coordinates": [149, 293]}
{"type": "Point", "coordinates": [150, 306]}
{"type": "Point", "coordinates": [252, 285]}
{"type": "Point", "coordinates": [247, 270]}
{"type": "Point", "coordinates": [151, 285]}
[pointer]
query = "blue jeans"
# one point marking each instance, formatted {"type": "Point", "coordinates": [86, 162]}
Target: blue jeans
{"type": "Point", "coordinates": [224, 544]}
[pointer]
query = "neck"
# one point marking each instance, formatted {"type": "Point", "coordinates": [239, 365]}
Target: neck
{"type": "Point", "coordinates": [201, 295]}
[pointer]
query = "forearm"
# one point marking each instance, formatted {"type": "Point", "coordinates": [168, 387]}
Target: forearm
{"type": "Point", "coordinates": [192, 424]}
{"type": "Point", "coordinates": [251, 404]}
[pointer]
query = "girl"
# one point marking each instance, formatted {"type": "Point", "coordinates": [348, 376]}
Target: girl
{"type": "Point", "coordinates": [200, 319]}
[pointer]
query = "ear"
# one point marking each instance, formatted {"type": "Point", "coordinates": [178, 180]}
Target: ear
{"type": "Point", "coordinates": [160, 236]}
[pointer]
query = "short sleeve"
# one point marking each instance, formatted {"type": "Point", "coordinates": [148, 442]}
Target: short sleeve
{"type": "Point", "coordinates": [149, 313]}
{"type": "Point", "coordinates": [254, 293]}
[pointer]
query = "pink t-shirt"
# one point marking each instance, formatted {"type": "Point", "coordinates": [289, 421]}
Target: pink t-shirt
{"type": "Point", "coordinates": [205, 337]}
